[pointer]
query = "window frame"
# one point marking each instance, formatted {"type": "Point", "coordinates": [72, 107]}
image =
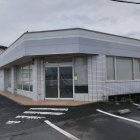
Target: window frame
{"type": "Point", "coordinates": [84, 87]}
{"type": "Point", "coordinates": [20, 78]}
{"type": "Point", "coordinates": [133, 69]}
{"type": "Point", "coordinates": [118, 75]}
{"type": "Point", "coordinates": [9, 78]}
{"type": "Point", "coordinates": [114, 67]}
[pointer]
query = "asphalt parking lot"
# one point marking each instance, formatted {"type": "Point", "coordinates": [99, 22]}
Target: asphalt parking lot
{"type": "Point", "coordinates": [84, 122]}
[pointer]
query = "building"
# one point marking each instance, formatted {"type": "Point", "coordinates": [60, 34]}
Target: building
{"type": "Point", "coordinates": [76, 64]}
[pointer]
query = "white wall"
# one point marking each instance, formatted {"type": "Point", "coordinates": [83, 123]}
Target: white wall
{"type": "Point", "coordinates": [25, 93]}
{"type": "Point", "coordinates": [96, 79]}
{"type": "Point", "coordinates": [99, 87]}
{"type": "Point", "coordinates": [38, 80]}
{"type": "Point", "coordinates": [121, 87]}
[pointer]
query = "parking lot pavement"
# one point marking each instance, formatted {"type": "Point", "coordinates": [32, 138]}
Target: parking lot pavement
{"type": "Point", "coordinates": [83, 122]}
{"type": "Point", "coordinates": [102, 127]}
{"type": "Point", "coordinates": [43, 132]}
{"type": "Point", "coordinates": [8, 110]}
{"type": "Point", "coordinates": [20, 122]}
{"type": "Point", "coordinates": [14, 117]}
{"type": "Point", "coordinates": [98, 126]}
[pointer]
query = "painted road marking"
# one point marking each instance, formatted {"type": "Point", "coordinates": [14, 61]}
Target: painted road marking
{"type": "Point", "coordinates": [43, 113]}
{"type": "Point", "coordinates": [116, 116]}
{"type": "Point", "coordinates": [52, 109]}
{"type": "Point", "coordinates": [29, 117]}
{"type": "Point", "coordinates": [38, 113]}
{"type": "Point", "coordinates": [13, 122]}
{"type": "Point", "coordinates": [136, 104]}
{"type": "Point", "coordinates": [72, 137]}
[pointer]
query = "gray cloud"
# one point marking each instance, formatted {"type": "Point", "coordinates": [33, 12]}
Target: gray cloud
{"type": "Point", "coordinates": [102, 15]}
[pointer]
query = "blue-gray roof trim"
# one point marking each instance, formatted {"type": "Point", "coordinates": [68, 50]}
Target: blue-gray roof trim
{"type": "Point", "coordinates": [70, 41]}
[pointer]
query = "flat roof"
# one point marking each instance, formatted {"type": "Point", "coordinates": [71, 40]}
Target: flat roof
{"type": "Point", "coordinates": [83, 29]}
{"type": "Point", "coordinates": [90, 30]}
{"type": "Point", "coordinates": [69, 41]}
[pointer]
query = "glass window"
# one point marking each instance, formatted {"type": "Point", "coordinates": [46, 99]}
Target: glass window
{"type": "Point", "coordinates": [9, 77]}
{"type": "Point", "coordinates": [19, 81]}
{"type": "Point", "coordinates": [24, 77]}
{"type": "Point", "coordinates": [137, 68]}
{"type": "Point", "coordinates": [124, 68]}
{"type": "Point", "coordinates": [30, 77]}
{"type": "Point", "coordinates": [26, 85]}
{"type": "Point", "coordinates": [81, 75]}
{"type": "Point", "coordinates": [110, 67]}
{"type": "Point", "coordinates": [31, 86]}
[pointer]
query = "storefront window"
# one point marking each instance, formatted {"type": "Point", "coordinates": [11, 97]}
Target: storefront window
{"type": "Point", "coordinates": [137, 68]}
{"type": "Point", "coordinates": [24, 77]}
{"type": "Point", "coordinates": [19, 81]}
{"type": "Point", "coordinates": [110, 68]}
{"type": "Point", "coordinates": [9, 77]}
{"type": "Point", "coordinates": [124, 68]}
{"type": "Point", "coordinates": [30, 78]}
{"type": "Point", "coordinates": [81, 75]}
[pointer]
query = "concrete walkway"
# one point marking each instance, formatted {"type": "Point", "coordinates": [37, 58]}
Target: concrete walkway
{"type": "Point", "coordinates": [27, 101]}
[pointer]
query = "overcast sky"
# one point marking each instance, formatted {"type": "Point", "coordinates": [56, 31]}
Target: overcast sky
{"type": "Point", "coordinates": [18, 16]}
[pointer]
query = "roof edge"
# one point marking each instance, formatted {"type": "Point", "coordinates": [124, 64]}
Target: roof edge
{"type": "Point", "coordinates": [84, 29]}
{"type": "Point", "coordinates": [77, 28]}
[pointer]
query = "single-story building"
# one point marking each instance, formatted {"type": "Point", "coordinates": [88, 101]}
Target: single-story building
{"type": "Point", "coordinates": [74, 64]}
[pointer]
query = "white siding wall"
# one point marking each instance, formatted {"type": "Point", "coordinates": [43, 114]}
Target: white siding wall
{"type": "Point", "coordinates": [96, 79]}
{"type": "Point", "coordinates": [25, 93]}
{"type": "Point", "coordinates": [99, 87]}
{"type": "Point", "coordinates": [103, 88]}
{"type": "Point", "coordinates": [38, 80]}
{"type": "Point", "coordinates": [122, 87]}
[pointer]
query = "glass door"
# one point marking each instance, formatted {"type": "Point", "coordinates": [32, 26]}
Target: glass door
{"type": "Point", "coordinates": [59, 82]}
{"type": "Point", "coordinates": [65, 82]}
{"type": "Point", "coordinates": [51, 81]}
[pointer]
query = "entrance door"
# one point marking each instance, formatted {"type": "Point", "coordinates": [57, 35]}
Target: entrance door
{"type": "Point", "coordinates": [66, 82]}
{"type": "Point", "coordinates": [51, 80]}
{"type": "Point", "coordinates": [59, 82]}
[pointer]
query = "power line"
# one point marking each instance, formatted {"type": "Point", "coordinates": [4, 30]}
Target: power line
{"type": "Point", "coordinates": [131, 2]}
